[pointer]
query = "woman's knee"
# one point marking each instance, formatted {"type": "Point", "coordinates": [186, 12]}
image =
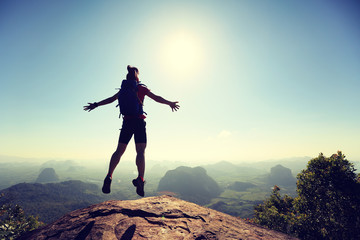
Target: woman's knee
{"type": "Point", "coordinates": [121, 148]}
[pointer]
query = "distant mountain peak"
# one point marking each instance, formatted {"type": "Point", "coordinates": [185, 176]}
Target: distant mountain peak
{"type": "Point", "coordinates": [192, 184]}
{"type": "Point", "coordinates": [280, 175]}
{"type": "Point", "coordinates": [47, 175]}
{"type": "Point", "coordinates": [162, 217]}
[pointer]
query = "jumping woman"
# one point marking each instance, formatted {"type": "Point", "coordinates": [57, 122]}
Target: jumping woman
{"type": "Point", "coordinates": [133, 124]}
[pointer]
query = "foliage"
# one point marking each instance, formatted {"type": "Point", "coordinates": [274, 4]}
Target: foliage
{"type": "Point", "coordinates": [14, 222]}
{"type": "Point", "coordinates": [276, 212]}
{"type": "Point", "coordinates": [327, 205]}
{"type": "Point", "coordinates": [329, 198]}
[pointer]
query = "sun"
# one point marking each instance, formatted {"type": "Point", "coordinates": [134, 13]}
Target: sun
{"type": "Point", "coordinates": [182, 53]}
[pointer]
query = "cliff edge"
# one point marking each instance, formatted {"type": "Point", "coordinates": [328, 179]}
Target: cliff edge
{"type": "Point", "coordinates": [162, 217]}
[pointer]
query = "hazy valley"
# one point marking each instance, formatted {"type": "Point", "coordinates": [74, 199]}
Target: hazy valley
{"type": "Point", "coordinates": [53, 188]}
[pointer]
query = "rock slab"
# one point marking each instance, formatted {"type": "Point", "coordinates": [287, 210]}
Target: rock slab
{"type": "Point", "coordinates": [162, 217]}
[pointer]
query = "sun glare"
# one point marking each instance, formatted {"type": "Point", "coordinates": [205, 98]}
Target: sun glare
{"type": "Point", "coordinates": [182, 53]}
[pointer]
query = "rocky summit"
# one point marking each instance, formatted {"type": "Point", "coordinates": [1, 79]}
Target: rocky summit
{"type": "Point", "coordinates": [162, 217]}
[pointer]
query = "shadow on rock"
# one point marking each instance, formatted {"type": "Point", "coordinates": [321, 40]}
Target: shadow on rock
{"type": "Point", "coordinates": [129, 233]}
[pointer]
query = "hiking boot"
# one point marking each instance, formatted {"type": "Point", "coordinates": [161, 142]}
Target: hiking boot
{"type": "Point", "coordinates": [139, 184]}
{"type": "Point", "coordinates": [106, 185]}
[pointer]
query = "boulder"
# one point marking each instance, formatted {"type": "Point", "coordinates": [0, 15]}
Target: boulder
{"type": "Point", "coordinates": [162, 217]}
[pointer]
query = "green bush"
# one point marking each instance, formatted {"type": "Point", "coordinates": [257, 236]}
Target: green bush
{"type": "Point", "coordinates": [327, 205]}
{"type": "Point", "coordinates": [14, 222]}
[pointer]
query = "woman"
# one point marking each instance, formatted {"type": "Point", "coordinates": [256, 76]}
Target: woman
{"type": "Point", "coordinates": [132, 125]}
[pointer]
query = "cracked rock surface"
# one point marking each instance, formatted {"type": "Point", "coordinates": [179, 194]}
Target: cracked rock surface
{"type": "Point", "coordinates": [162, 217]}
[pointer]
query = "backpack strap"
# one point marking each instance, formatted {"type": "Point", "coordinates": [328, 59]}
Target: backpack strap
{"type": "Point", "coordinates": [118, 105]}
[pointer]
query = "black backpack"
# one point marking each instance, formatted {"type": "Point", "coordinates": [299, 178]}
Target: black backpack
{"type": "Point", "coordinates": [129, 102]}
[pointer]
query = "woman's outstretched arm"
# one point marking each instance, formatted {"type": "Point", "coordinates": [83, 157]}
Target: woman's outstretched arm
{"type": "Point", "coordinates": [174, 105]}
{"type": "Point", "coordinates": [94, 105]}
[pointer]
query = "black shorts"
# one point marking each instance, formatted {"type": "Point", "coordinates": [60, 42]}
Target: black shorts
{"type": "Point", "coordinates": [130, 127]}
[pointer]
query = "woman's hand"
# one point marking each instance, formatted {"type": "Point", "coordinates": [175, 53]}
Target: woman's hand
{"type": "Point", "coordinates": [174, 106]}
{"type": "Point", "coordinates": [91, 106]}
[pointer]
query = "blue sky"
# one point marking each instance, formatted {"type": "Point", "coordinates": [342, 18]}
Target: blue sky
{"type": "Point", "coordinates": [256, 80]}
